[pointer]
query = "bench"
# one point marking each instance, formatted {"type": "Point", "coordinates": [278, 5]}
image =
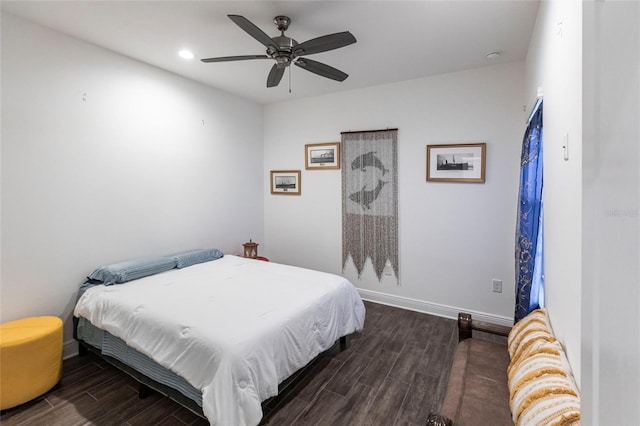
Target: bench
{"type": "Point", "coordinates": [526, 373]}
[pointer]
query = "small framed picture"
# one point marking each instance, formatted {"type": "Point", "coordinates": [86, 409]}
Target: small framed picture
{"type": "Point", "coordinates": [456, 162]}
{"type": "Point", "coordinates": [285, 182]}
{"type": "Point", "coordinates": [322, 156]}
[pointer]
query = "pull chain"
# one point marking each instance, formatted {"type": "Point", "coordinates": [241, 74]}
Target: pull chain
{"type": "Point", "coordinates": [289, 79]}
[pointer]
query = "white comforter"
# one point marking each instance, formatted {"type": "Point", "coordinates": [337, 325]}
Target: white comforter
{"type": "Point", "coordinates": [234, 327]}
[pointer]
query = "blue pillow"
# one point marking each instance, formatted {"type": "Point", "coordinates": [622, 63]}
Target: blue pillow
{"type": "Point", "coordinates": [192, 257]}
{"type": "Point", "coordinates": [132, 270]}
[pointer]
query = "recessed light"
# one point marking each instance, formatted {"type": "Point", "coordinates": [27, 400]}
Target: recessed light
{"type": "Point", "coordinates": [493, 55]}
{"type": "Point", "coordinates": [185, 54]}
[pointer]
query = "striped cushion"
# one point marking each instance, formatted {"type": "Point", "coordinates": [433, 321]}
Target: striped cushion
{"type": "Point", "coordinates": [544, 356]}
{"type": "Point", "coordinates": [546, 396]}
{"type": "Point", "coordinates": [525, 332]}
{"type": "Point", "coordinates": [534, 341]}
{"type": "Point", "coordinates": [541, 387]}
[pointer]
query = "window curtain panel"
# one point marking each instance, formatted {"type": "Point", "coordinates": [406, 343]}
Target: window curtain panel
{"type": "Point", "coordinates": [370, 200]}
{"type": "Point", "coordinates": [529, 230]}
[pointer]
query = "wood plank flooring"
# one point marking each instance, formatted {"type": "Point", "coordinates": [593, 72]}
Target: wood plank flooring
{"type": "Point", "coordinates": [393, 373]}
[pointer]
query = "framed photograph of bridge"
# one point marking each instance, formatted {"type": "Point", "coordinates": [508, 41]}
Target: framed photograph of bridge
{"type": "Point", "coordinates": [285, 182]}
{"type": "Point", "coordinates": [325, 156]}
{"type": "Point", "coordinates": [456, 162]}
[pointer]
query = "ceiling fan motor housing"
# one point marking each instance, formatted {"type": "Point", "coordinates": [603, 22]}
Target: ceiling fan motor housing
{"type": "Point", "coordinates": [284, 52]}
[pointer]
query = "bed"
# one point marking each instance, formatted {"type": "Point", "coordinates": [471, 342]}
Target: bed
{"type": "Point", "coordinates": [223, 332]}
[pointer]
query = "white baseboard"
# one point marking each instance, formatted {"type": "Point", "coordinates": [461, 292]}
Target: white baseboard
{"type": "Point", "coordinates": [430, 308]}
{"type": "Point", "coordinates": [69, 349]}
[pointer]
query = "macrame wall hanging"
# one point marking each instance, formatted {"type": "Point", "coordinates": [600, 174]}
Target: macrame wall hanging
{"type": "Point", "coordinates": [370, 199]}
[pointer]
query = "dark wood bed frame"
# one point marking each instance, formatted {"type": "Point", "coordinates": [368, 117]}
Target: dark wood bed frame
{"type": "Point", "coordinates": [148, 385]}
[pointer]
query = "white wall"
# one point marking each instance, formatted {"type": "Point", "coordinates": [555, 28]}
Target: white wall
{"type": "Point", "coordinates": [554, 63]}
{"type": "Point", "coordinates": [586, 56]}
{"type": "Point", "coordinates": [105, 159]}
{"type": "Point", "coordinates": [611, 214]}
{"type": "Point", "coordinates": [454, 238]}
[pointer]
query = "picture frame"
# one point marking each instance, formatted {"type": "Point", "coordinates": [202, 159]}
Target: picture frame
{"type": "Point", "coordinates": [464, 162]}
{"type": "Point", "coordinates": [286, 182]}
{"type": "Point", "coordinates": [322, 156]}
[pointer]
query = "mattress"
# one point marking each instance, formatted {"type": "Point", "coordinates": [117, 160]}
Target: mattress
{"type": "Point", "coordinates": [116, 348]}
{"type": "Point", "coordinates": [233, 328]}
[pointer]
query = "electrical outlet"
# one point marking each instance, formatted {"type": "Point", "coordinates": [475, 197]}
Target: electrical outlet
{"type": "Point", "coordinates": [387, 269]}
{"type": "Point", "coordinates": [496, 286]}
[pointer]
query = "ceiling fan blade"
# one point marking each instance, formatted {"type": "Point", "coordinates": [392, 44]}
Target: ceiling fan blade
{"type": "Point", "coordinates": [324, 43]}
{"type": "Point", "coordinates": [251, 29]}
{"type": "Point", "coordinates": [321, 69]}
{"type": "Point", "coordinates": [275, 75]}
{"type": "Point", "coordinates": [234, 58]}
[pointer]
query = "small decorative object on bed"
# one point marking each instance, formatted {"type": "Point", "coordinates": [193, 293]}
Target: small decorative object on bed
{"type": "Point", "coordinates": [285, 182]}
{"type": "Point", "coordinates": [221, 334]}
{"type": "Point", "coordinates": [250, 249]}
{"type": "Point", "coordinates": [325, 156]}
{"type": "Point", "coordinates": [456, 162]}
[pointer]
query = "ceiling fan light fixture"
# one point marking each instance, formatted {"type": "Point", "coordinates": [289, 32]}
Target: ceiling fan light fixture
{"type": "Point", "coordinates": [186, 54]}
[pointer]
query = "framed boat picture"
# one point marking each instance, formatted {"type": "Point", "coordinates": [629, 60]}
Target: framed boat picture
{"type": "Point", "coordinates": [456, 162]}
{"type": "Point", "coordinates": [322, 156]}
{"type": "Point", "coordinates": [285, 182]}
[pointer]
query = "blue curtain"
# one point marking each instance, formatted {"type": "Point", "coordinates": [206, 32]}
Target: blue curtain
{"type": "Point", "coordinates": [529, 227]}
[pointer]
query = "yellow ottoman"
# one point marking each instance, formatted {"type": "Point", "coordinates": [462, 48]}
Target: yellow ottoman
{"type": "Point", "coordinates": [30, 359]}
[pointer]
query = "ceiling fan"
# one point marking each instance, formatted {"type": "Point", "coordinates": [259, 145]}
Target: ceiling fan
{"type": "Point", "coordinates": [285, 50]}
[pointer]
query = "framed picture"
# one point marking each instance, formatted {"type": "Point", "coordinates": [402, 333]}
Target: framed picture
{"type": "Point", "coordinates": [286, 182]}
{"type": "Point", "coordinates": [456, 162]}
{"type": "Point", "coordinates": [322, 156]}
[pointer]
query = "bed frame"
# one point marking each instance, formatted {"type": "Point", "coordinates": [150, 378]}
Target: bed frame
{"type": "Point", "coordinates": [147, 385]}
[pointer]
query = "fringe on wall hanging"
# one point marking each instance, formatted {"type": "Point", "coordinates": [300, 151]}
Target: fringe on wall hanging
{"type": "Point", "coordinates": [370, 199]}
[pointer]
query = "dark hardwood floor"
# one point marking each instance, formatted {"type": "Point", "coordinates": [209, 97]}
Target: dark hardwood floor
{"type": "Point", "coordinates": [393, 373]}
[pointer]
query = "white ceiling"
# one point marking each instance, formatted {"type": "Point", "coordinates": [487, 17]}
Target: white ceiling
{"type": "Point", "coordinates": [397, 40]}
